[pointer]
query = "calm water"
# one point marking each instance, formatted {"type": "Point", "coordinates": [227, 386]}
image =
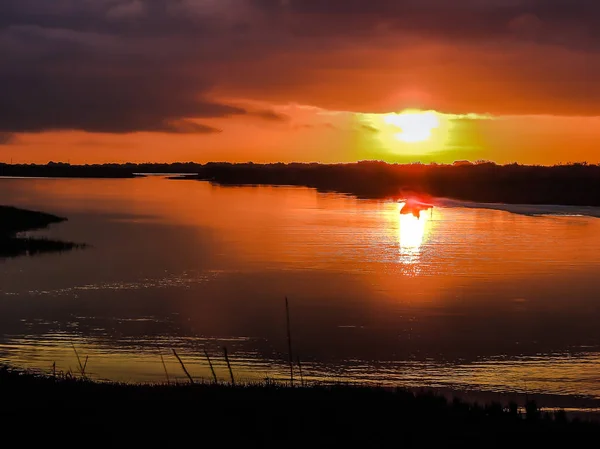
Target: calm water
{"type": "Point", "coordinates": [463, 298]}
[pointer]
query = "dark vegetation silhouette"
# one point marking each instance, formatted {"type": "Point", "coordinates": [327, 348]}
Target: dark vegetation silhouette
{"type": "Point", "coordinates": [573, 184]}
{"type": "Point", "coordinates": [14, 221]}
{"type": "Point", "coordinates": [271, 414]}
{"type": "Point", "coordinates": [64, 170]}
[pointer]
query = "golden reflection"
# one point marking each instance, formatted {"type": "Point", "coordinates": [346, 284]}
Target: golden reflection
{"type": "Point", "coordinates": [412, 234]}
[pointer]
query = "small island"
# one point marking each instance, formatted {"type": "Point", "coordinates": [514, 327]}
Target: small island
{"type": "Point", "coordinates": [14, 221]}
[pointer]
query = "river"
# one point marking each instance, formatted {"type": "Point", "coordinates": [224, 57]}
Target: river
{"type": "Point", "coordinates": [464, 298]}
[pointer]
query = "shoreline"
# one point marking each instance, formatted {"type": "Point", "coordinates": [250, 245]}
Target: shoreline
{"type": "Point", "coordinates": [585, 407]}
{"type": "Point", "coordinates": [568, 185]}
{"type": "Point", "coordinates": [544, 402]}
{"type": "Point", "coordinates": [15, 221]}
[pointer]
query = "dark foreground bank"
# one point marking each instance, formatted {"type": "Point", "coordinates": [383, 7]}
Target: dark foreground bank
{"type": "Point", "coordinates": [99, 414]}
{"type": "Point", "coordinates": [14, 221]}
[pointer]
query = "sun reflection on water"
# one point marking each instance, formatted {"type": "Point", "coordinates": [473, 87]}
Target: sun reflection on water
{"type": "Point", "coordinates": [412, 234]}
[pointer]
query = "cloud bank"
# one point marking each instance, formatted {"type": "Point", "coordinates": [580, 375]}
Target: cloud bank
{"type": "Point", "coordinates": [120, 66]}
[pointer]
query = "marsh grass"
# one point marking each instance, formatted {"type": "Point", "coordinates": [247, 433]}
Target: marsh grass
{"type": "Point", "coordinates": [212, 369]}
{"type": "Point", "coordinates": [269, 412]}
{"type": "Point", "coordinates": [14, 222]}
{"type": "Point", "coordinates": [228, 365]}
{"type": "Point", "coordinates": [165, 368]}
{"type": "Point", "coordinates": [300, 370]}
{"type": "Point", "coordinates": [82, 367]}
{"type": "Point", "coordinates": [183, 367]}
{"type": "Point", "coordinates": [29, 246]}
{"type": "Point", "coordinates": [289, 340]}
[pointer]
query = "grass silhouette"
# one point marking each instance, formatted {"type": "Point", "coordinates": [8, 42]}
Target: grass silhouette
{"type": "Point", "coordinates": [270, 414]}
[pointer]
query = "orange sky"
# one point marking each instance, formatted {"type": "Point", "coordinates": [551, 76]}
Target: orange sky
{"type": "Point", "coordinates": [264, 81]}
{"type": "Point", "coordinates": [315, 135]}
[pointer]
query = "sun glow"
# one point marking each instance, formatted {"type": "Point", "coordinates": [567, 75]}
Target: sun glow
{"type": "Point", "coordinates": [414, 126]}
{"type": "Point", "coordinates": [419, 135]}
{"type": "Point", "coordinates": [412, 132]}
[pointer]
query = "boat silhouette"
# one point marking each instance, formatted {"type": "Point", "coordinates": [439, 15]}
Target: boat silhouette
{"type": "Point", "coordinates": [414, 207]}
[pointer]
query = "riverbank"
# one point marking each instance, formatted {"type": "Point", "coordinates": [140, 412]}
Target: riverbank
{"type": "Point", "coordinates": [14, 221]}
{"type": "Point", "coordinates": [269, 414]}
{"type": "Point", "coordinates": [569, 185]}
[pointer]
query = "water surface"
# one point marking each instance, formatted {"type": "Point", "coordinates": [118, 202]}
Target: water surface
{"type": "Point", "coordinates": [465, 297]}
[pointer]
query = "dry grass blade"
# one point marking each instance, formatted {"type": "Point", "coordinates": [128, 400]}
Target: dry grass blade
{"type": "Point", "coordinates": [289, 339]}
{"type": "Point", "coordinates": [300, 368]}
{"type": "Point", "coordinates": [183, 367]}
{"type": "Point", "coordinates": [228, 365]}
{"type": "Point", "coordinates": [165, 368]}
{"type": "Point", "coordinates": [81, 367]}
{"type": "Point", "coordinates": [212, 370]}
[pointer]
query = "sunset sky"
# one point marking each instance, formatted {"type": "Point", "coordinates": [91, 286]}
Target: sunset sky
{"type": "Point", "coordinates": [91, 81]}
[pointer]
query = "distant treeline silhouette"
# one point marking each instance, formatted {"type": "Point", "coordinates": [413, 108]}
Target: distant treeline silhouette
{"type": "Point", "coordinates": [64, 170]}
{"type": "Point", "coordinates": [573, 184]}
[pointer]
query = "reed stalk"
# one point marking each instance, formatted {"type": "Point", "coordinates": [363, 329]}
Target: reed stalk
{"type": "Point", "coordinates": [228, 365]}
{"type": "Point", "coordinates": [165, 368]}
{"type": "Point", "coordinates": [183, 367]}
{"type": "Point", "coordinates": [81, 367]}
{"type": "Point", "coordinates": [300, 368]}
{"type": "Point", "coordinates": [212, 370]}
{"type": "Point", "coordinates": [289, 340]}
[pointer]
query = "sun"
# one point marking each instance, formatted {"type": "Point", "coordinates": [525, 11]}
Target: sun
{"type": "Point", "coordinates": [410, 134]}
{"type": "Point", "coordinates": [415, 126]}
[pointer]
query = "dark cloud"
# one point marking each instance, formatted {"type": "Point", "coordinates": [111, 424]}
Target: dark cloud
{"type": "Point", "coordinates": [448, 19]}
{"type": "Point", "coordinates": [270, 115]}
{"type": "Point", "coordinates": [153, 65]}
{"type": "Point", "coordinates": [62, 79]}
{"type": "Point", "coordinates": [187, 127]}
{"type": "Point", "coordinates": [97, 101]}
